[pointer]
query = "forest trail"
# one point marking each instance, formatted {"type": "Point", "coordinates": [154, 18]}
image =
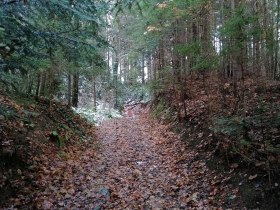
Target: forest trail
{"type": "Point", "coordinates": [133, 162]}
{"type": "Point", "coordinates": [144, 166]}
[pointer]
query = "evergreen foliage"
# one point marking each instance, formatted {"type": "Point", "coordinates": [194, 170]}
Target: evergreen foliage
{"type": "Point", "coordinates": [50, 37]}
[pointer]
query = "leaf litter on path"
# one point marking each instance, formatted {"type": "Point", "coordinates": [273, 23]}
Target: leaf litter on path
{"type": "Point", "coordinates": [137, 164]}
{"type": "Point", "coordinates": [148, 167]}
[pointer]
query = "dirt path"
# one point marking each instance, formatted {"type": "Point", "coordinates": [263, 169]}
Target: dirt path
{"type": "Point", "coordinates": [146, 167]}
{"type": "Point", "coordinates": [136, 164]}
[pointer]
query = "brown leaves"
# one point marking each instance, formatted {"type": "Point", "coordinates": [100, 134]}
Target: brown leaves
{"type": "Point", "coordinates": [138, 163]}
{"type": "Point", "coordinates": [42, 175]}
{"type": "Point", "coordinates": [147, 167]}
{"type": "Point", "coordinates": [66, 179]}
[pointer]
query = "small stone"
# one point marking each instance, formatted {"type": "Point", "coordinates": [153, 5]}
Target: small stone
{"type": "Point", "coordinates": [2, 117]}
{"type": "Point", "coordinates": [61, 204]}
{"type": "Point", "coordinates": [140, 162]}
{"type": "Point", "coordinates": [105, 192]}
{"type": "Point", "coordinates": [19, 172]}
{"type": "Point", "coordinates": [200, 135]}
{"type": "Point", "coordinates": [98, 207]}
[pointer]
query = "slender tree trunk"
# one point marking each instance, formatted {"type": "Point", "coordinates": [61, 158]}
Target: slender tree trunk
{"type": "Point", "coordinates": [69, 89]}
{"type": "Point", "coordinates": [38, 85]}
{"type": "Point", "coordinates": [51, 78]}
{"type": "Point", "coordinates": [42, 85]}
{"type": "Point", "coordinates": [115, 80]}
{"type": "Point", "coordinates": [75, 90]}
{"type": "Point", "coordinates": [149, 67]}
{"type": "Point", "coordinates": [30, 87]}
{"type": "Point", "coordinates": [143, 69]}
{"type": "Point", "coordinates": [256, 40]}
{"type": "Point", "coordinates": [268, 41]}
{"type": "Point", "coordinates": [276, 70]}
{"type": "Point", "coordinates": [155, 65]}
{"type": "Point", "coordinates": [162, 60]}
{"type": "Point", "coordinates": [175, 56]}
{"type": "Point", "coordinates": [94, 95]}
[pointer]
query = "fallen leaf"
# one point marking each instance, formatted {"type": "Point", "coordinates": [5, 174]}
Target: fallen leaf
{"type": "Point", "coordinates": [234, 165]}
{"type": "Point", "coordinates": [253, 177]}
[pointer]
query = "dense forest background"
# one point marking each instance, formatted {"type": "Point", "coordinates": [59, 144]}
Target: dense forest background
{"type": "Point", "coordinates": [56, 48]}
{"type": "Point", "coordinates": [209, 68]}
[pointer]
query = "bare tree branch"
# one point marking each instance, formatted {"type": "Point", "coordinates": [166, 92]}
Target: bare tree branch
{"type": "Point", "coordinates": [9, 2]}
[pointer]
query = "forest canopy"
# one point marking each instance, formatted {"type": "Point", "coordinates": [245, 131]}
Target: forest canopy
{"type": "Point", "coordinates": [48, 48]}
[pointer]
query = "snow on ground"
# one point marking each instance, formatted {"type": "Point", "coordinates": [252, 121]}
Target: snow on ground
{"type": "Point", "coordinates": [103, 112]}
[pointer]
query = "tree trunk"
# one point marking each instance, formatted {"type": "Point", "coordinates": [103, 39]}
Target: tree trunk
{"type": "Point", "coordinates": [176, 57]}
{"type": "Point", "coordinates": [94, 95]}
{"type": "Point", "coordinates": [38, 86]}
{"type": "Point", "coordinates": [42, 85]}
{"type": "Point", "coordinates": [149, 68]}
{"type": "Point", "coordinates": [276, 70]}
{"type": "Point", "coordinates": [75, 94]}
{"type": "Point", "coordinates": [143, 69]}
{"type": "Point", "coordinates": [69, 93]}
{"type": "Point", "coordinates": [115, 79]}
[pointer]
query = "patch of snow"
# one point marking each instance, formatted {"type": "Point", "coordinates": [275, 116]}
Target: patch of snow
{"type": "Point", "coordinates": [103, 112]}
{"type": "Point", "coordinates": [140, 163]}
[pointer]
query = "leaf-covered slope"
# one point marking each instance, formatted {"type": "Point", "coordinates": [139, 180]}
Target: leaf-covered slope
{"type": "Point", "coordinates": [241, 136]}
{"type": "Point", "coordinates": [30, 136]}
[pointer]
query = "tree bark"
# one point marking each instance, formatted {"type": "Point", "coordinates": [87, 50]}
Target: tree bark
{"type": "Point", "coordinates": [115, 79]}
{"type": "Point", "coordinates": [94, 95]}
{"type": "Point", "coordinates": [69, 93]}
{"type": "Point", "coordinates": [42, 84]}
{"type": "Point", "coordinates": [75, 90]}
{"type": "Point", "coordinates": [143, 69]}
{"type": "Point", "coordinates": [276, 70]}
